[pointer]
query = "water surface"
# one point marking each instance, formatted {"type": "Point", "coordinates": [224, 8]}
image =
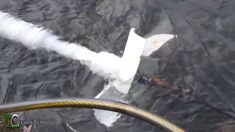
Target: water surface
{"type": "Point", "coordinates": [200, 61]}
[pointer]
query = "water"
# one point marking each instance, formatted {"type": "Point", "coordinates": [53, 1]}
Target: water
{"type": "Point", "coordinates": [200, 60]}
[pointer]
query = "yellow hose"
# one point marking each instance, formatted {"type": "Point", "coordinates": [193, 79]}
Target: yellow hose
{"type": "Point", "coordinates": [91, 103]}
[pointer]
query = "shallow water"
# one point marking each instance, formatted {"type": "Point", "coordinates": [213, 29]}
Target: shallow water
{"type": "Point", "coordinates": [200, 61]}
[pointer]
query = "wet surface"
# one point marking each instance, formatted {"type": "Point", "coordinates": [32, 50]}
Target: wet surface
{"type": "Point", "coordinates": [199, 60]}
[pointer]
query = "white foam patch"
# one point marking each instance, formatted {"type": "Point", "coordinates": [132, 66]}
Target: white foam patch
{"type": "Point", "coordinates": [108, 118]}
{"type": "Point", "coordinates": [155, 42]}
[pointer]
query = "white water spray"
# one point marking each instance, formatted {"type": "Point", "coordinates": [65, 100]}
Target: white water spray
{"type": "Point", "coordinates": [120, 71]}
{"type": "Point", "coordinates": [35, 37]}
